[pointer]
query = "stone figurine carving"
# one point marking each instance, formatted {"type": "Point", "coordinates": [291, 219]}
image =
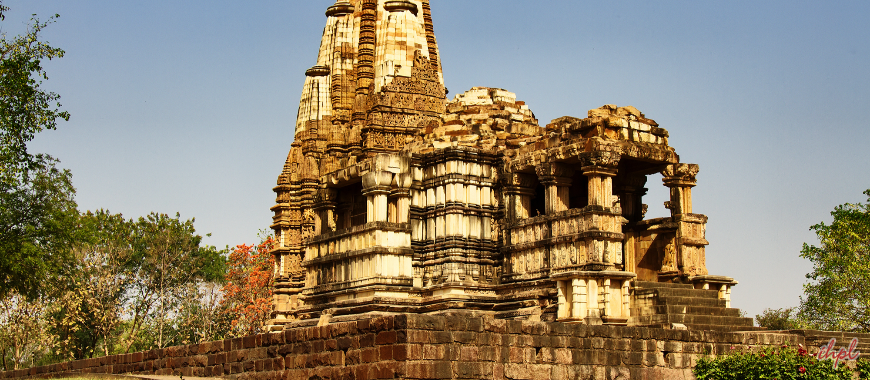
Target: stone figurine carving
{"type": "Point", "coordinates": [669, 263]}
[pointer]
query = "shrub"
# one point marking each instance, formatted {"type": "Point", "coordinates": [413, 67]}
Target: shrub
{"type": "Point", "coordinates": [864, 368]}
{"type": "Point", "coordinates": [769, 363]}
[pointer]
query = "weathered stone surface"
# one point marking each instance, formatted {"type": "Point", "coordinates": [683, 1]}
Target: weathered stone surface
{"type": "Point", "coordinates": [479, 348]}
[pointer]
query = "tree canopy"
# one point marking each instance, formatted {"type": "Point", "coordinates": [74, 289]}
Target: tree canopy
{"type": "Point", "coordinates": [838, 294]}
{"type": "Point", "coordinates": [25, 108]}
{"type": "Point", "coordinates": [37, 207]}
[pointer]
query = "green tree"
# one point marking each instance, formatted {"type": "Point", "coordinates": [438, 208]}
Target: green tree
{"type": "Point", "coordinates": [201, 316]}
{"type": "Point", "coordinates": [778, 319]}
{"type": "Point", "coordinates": [37, 207]}
{"type": "Point", "coordinates": [167, 257]}
{"type": "Point", "coordinates": [838, 294]}
{"type": "Point", "coordinates": [22, 330]}
{"type": "Point", "coordinates": [37, 218]}
{"type": "Point", "coordinates": [25, 108]}
{"type": "Point", "coordinates": [89, 307]}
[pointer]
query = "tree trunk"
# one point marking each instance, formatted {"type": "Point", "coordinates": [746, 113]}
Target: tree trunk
{"type": "Point", "coordinates": [3, 353]}
{"type": "Point", "coordinates": [17, 356]}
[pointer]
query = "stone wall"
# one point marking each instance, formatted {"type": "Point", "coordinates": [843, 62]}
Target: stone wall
{"type": "Point", "coordinates": [460, 346]}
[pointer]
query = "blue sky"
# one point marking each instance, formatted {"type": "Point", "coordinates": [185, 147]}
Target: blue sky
{"type": "Point", "coordinates": [189, 106]}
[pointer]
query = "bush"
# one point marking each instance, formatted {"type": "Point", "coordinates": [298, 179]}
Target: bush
{"type": "Point", "coordinates": [769, 363]}
{"type": "Point", "coordinates": [864, 368]}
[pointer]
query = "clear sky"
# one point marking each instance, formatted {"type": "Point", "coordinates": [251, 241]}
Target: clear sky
{"type": "Point", "coordinates": [189, 106]}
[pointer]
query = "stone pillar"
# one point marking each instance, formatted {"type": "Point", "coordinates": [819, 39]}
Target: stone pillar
{"type": "Point", "coordinates": [376, 187]}
{"type": "Point", "coordinates": [563, 311]}
{"type": "Point", "coordinates": [593, 311]}
{"type": "Point", "coordinates": [403, 201]}
{"type": "Point", "coordinates": [631, 189]}
{"type": "Point", "coordinates": [519, 191]}
{"type": "Point", "coordinates": [556, 178]}
{"type": "Point", "coordinates": [600, 184]}
{"type": "Point", "coordinates": [725, 294]}
{"type": "Point", "coordinates": [690, 238]}
{"type": "Point", "coordinates": [626, 300]}
{"type": "Point", "coordinates": [324, 211]}
{"type": "Point", "coordinates": [600, 168]}
{"type": "Point", "coordinates": [402, 196]}
{"type": "Point", "coordinates": [680, 178]}
{"type": "Point", "coordinates": [578, 306]}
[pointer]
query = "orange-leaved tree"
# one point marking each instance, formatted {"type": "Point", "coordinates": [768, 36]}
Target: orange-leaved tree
{"type": "Point", "coordinates": [248, 289]}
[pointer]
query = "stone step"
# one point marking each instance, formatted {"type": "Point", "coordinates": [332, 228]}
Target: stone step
{"type": "Point", "coordinates": [690, 301]}
{"type": "Point", "coordinates": [725, 328]}
{"type": "Point", "coordinates": [673, 292]}
{"type": "Point", "coordinates": [686, 310]}
{"type": "Point", "coordinates": [696, 310]}
{"type": "Point", "coordinates": [688, 319]}
{"type": "Point", "coordinates": [660, 285]}
{"type": "Point", "coordinates": [655, 320]}
{"type": "Point", "coordinates": [815, 338]}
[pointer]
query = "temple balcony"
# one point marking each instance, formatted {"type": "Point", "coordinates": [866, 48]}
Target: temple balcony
{"type": "Point", "coordinates": [576, 239]}
{"type": "Point", "coordinates": [375, 253]}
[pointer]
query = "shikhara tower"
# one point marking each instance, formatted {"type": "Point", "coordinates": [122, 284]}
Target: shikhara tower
{"type": "Point", "coordinates": [394, 199]}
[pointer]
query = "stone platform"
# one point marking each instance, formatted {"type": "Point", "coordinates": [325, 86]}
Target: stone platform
{"type": "Point", "coordinates": [452, 346]}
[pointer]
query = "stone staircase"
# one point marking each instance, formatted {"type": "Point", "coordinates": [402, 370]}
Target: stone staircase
{"type": "Point", "coordinates": [669, 305]}
{"type": "Point", "coordinates": [817, 338]}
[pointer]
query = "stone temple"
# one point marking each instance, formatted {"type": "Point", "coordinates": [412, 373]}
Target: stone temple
{"type": "Point", "coordinates": [396, 199]}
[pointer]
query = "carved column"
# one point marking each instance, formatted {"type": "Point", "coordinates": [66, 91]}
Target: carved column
{"type": "Point", "coordinates": [519, 192]}
{"type": "Point", "coordinates": [690, 240]}
{"type": "Point", "coordinates": [600, 168]}
{"type": "Point", "coordinates": [578, 309]}
{"type": "Point", "coordinates": [563, 310]}
{"type": "Point", "coordinates": [556, 178]}
{"type": "Point", "coordinates": [680, 178]}
{"type": "Point", "coordinates": [376, 187]}
{"type": "Point", "coordinates": [402, 196]}
{"type": "Point", "coordinates": [631, 188]}
{"type": "Point", "coordinates": [324, 211]}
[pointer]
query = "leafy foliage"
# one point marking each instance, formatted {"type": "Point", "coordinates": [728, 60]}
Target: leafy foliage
{"type": "Point", "coordinates": [37, 207]}
{"type": "Point", "coordinates": [37, 217]}
{"type": "Point", "coordinates": [769, 363]}
{"type": "Point", "coordinates": [21, 329]}
{"type": "Point", "coordinates": [167, 257]}
{"type": "Point", "coordinates": [863, 368]}
{"type": "Point", "coordinates": [201, 316]}
{"type": "Point", "coordinates": [778, 319]}
{"type": "Point", "coordinates": [248, 289]}
{"type": "Point", "coordinates": [136, 284]}
{"type": "Point", "coordinates": [90, 305]}
{"type": "Point", "coordinates": [25, 108]}
{"type": "Point", "coordinates": [838, 294]}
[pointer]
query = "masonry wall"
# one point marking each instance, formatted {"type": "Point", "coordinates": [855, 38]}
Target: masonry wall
{"type": "Point", "coordinates": [459, 346]}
